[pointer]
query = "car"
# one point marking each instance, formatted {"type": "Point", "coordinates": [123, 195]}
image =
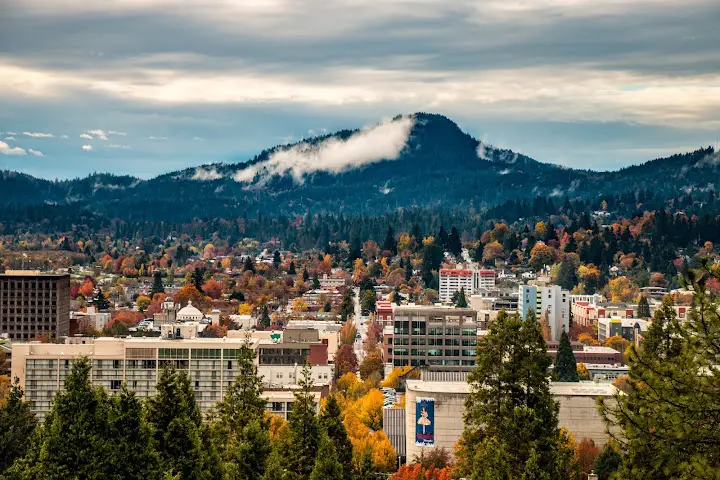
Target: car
{"type": "Point", "coordinates": [358, 337]}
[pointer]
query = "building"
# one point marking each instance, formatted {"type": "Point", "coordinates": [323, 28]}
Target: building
{"type": "Point", "coordinates": [454, 280]}
{"type": "Point", "coordinates": [211, 364]}
{"type": "Point", "coordinates": [91, 319]}
{"type": "Point", "coordinates": [34, 304]}
{"type": "Point", "coordinates": [551, 302]}
{"type": "Point", "coordinates": [608, 373]}
{"type": "Point", "coordinates": [444, 401]}
{"type": "Point", "coordinates": [384, 313]}
{"type": "Point", "coordinates": [440, 337]}
{"type": "Point", "coordinates": [332, 282]}
{"type": "Point", "coordinates": [593, 299]}
{"type": "Point", "coordinates": [297, 346]}
{"type": "Point", "coordinates": [589, 354]}
{"type": "Point", "coordinates": [628, 328]}
{"type": "Point", "coordinates": [483, 279]}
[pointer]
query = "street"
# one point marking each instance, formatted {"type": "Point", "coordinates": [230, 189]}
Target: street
{"type": "Point", "coordinates": [359, 321]}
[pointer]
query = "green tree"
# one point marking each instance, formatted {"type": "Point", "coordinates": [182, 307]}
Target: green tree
{"type": "Point", "coordinates": [565, 364]}
{"type": "Point", "coordinates": [347, 306]}
{"type": "Point", "coordinates": [327, 466]}
{"type": "Point", "coordinates": [291, 268]}
{"type": "Point", "coordinates": [198, 278]}
{"type": "Point", "coordinates": [249, 265]}
{"type": "Point", "coordinates": [643, 307]}
{"type": "Point", "coordinates": [368, 300]}
{"type": "Point", "coordinates": [277, 260]}
{"type": "Point", "coordinates": [332, 423]}
{"type": "Point", "coordinates": [461, 300]}
{"type": "Point", "coordinates": [511, 418]}
{"type": "Point", "coordinates": [18, 426]}
{"type": "Point", "coordinates": [264, 316]}
{"type": "Point", "coordinates": [315, 281]}
{"type": "Point", "coordinates": [607, 462]}
{"type": "Point", "coordinates": [306, 275]}
{"type": "Point", "coordinates": [98, 300]}
{"type": "Point", "coordinates": [239, 426]}
{"type": "Point", "coordinates": [304, 428]}
{"type": "Point", "coordinates": [389, 244]}
{"type": "Point", "coordinates": [157, 285]}
{"type": "Point", "coordinates": [668, 421]}
{"type": "Point", "coordinates": [277, 467]}
{"type": "Point", "coordinates": [454, 244]}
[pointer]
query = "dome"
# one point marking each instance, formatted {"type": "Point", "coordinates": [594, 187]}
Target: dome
{"type": "Point", "coordinates": [189, 313]}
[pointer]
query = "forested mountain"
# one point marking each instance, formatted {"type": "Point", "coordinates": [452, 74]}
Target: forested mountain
{"type": "Point", "coordinates": [435, 164]}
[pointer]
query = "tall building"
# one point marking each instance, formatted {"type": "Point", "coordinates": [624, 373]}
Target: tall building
{"type": "Point", "coordinates": [551, 302]}
{"type": "Point", "coordinates": [472, 281]}
{"type": "Point", "coordinates": [440, 337]}
{"type": "Point", "coordinates": [484, 279]}
{"type": "Point", "coordinates": [34, 304]}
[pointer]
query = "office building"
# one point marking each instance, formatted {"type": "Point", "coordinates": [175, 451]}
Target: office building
{"type": "Point", "coordinates": [549, 302]}
{"type": "Point", "coordinates": [471, 281]}
{"type": "Point", "coordinates": [628, 328]}
{"type": "Point", "coordinates": [588, 353]}
{"type": "Point", "coordinates": [440, 337]}
{"type": "Point", "coordinates": [34, 304]}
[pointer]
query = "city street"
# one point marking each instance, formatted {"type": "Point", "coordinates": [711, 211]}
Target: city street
{"type": "Point", "coordinates": [361, 326]}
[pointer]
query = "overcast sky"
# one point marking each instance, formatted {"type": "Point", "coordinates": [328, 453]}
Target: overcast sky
{"type": "Point", "coordinates": [143, 87]}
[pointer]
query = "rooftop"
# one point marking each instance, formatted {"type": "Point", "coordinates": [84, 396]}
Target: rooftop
{"type": "Point", "coordinates": [31, 273]}
{"type": "Point", "coordinates": [583, 389]}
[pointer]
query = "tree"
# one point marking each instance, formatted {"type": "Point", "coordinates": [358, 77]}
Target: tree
{"type": "Point", "coordinates": [372, 364]}
{"type": "Point", "coordinates": [142, 303]}
{"type": "Point", "coordinates": [277, 260]}
{"type": "Point", "coordinates": [454, 244]}
{"type": "Point", "coordinates": [389, 244]}
{"type": "Point", "coordinates": [347, 306]}
{"type": "Point", "coordinates": [565, 364]}
{"type": "Point", "coordinates": [18, 425]}
{"type": "Point", "coordinates": [368, 300]}
{"type": "Point", "coordinates": [197, 278]}
{"type": "Point", "coordinates": [291, 268]}
{"type": "Point", "coordinates": [668, 417]}
{"type": "Point", "coordinates": [586, 454]}
{"type": "Point", "coordinates": [618, 343]}
{"type": "Point", "coordinates": [333, 426]}
{"type": "Point", "coordinates": [304, 428]}
{"type": "Point", "coordinates": [305, 275]}
{"type": "Point", "coordinates": [622, 289]}
{"type": "Point", "coordinates": [157, 285]}
{"type": "Point", "coordinates": [176, 423]}
{"type": "Point", "coordinates": [541, 255]}
{"type": "Point", "coordinates": [643, 307]}
{"type": "Point", "coordinates": [461, 301]}
{"type": "Point", "coordinates": [240, 427]}
{"type": "Point", "coordinates": [99, 300]}
{"type": "Point", "coordinates": [492, 251]}
{"type": "Point", "coordinates": [345, 360]}
{"type": "Point", "coordinates": [249, 265]}
{"type": "Point", "coordinates": [607, 462]}
{"type": "Point", "coordinates": [586, 339]}
{"type": "Point", "coordinates": [315, 281]}
{"type": "Point", "coordinates": [212, 288]}
{"type": "Point", "coordinates": [327, 466]}
{"type": "Point", "coordinates": [511, 418]}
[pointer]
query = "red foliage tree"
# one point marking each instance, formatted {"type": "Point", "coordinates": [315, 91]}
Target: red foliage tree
{"type": "Point", "coordinates": [345, 360]}
{"type": "Point", "coordinates": [417, 472]}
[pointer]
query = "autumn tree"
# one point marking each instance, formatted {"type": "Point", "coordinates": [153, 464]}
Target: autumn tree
{"type": "Point", "coordinates": [372, 366]}
{"type": "Point", "coordinates": [368, 300]}
{"type": "Point", "coordinates": [212, 288]}
{"type": "Point", "coordinates": [348, 332]}
{"type": "Point", "coordinates": [541, 255]}
{"type": "Point", "coordinates": [586, 454]}
{"type": "Point", "coordinates": [511, 418]}
{"type": "Point", "coordinates": [492, 251]}
{"type": "Point", "coordinates": [142, 303]}
{"type": "Point", "coordinates": [622, 289]}
{"type": "Point", "coordinates": [345, 360]}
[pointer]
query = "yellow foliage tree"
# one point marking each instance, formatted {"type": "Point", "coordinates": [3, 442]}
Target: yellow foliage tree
{"type": "Point", "coordinates": [622, 289]}
{"type": "Point", "coordinates": [245, 309]}
{"type": "Point", "coordinates": [429, 240]}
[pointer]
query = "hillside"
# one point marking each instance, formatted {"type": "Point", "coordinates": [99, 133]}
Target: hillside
{"type": "Point", "coordinates": [418, 160]}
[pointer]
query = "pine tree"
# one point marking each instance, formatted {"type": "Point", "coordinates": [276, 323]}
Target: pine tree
{"type": "Point", "coordinates": [304, 428]}
{"type": "Point", "coordinates": [277, 467]}
{"type": "Point", "coordinates": [157, 286]}
{"type": "Point", "coordinates": [327, 466]}
{"type": "Point", "coordinates": [291, 268]}
{"type": "Point", "coordinates": [643, 308]}
{"type": "Point", "coordinates": [390, 244]}
{"type": "Point", "coordinates": [240, 427]}
{"type": "Point", "coordinates": [198, 278]}
{"type": "Point", "coordinates": [277, 260]}
{"type": "Point", "coordinates": [461, 300]}
{"type": "Point", "coordinates": [454, 244]}
{"type": "Point", "coordinates": [332, 423]}
{"type": "Point", "coordinates": [607, 462]}
{"type": "Point", "coordinates": [306, 275]}
{"type": "Point", "coordinates": [355, 251]}
{"type": "Point", "coordinates": [565, 364]}
{"type": "Point", "coordinates": [265, 317]}
{"type": "Point", "coordinates": [511, 418]}
{"type": "Point", "coordinates": [347, 307]}
{"type": "Point", "coordinates": [443, 238]}
{"type": "Point", "coordinates": [18, 425]}
{"type": "Point", "coordinates": [249, 265]}
{"type": "Point", "coordinates": [315, 281]}
{"type": "Point", "coordinates": [99, 301]}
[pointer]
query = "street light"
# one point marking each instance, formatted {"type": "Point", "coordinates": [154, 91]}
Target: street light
{"type": "Point", "coordinates": [592, 475]}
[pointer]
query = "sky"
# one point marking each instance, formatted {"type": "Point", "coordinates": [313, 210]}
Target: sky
{"type": "Point", "coordinates": [144, 87]}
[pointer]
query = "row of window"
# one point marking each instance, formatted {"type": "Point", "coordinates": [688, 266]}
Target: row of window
{"type": "Point", "coordinates": [431, 352]}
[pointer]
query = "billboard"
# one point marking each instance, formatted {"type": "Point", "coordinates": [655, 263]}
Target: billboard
{"type": "Point", "coordinates": [425, 422]}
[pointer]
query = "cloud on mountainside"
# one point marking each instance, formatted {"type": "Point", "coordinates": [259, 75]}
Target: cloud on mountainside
{"type": "Point", "coordinates": [384, 141]}
{"type": "Point", "coordinates": [204, 175]}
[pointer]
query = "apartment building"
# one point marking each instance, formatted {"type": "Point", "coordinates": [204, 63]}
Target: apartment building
{"type": "Point", "coordinates": [211, 364]}
{"type": "Point", "coordinates": [384, 313]}
{"type": "Point", "coordinates": [33, 304]}
{"type": "Point", "coordinates": [471, 281]}
{"type": "Point", "coordinates": [589, 354]}
{"type": "Point", "coordinates": [297, 346]}
{"type": "Point", "coordinates": [440, 337]}
{"type": "Point", "coordinates": [551, 302]}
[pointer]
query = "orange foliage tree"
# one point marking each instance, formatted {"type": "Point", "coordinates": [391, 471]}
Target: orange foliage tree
{"type": "Point", "coordinates": [418, 472]}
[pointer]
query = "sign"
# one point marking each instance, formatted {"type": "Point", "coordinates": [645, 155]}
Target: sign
{"type": "Point", "coordinates": [425, 422]}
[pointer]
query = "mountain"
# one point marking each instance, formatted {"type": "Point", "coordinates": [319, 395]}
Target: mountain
{"type": "Point", "coordinates": [414, 160]}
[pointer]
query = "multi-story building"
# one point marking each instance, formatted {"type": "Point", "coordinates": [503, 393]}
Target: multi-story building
{"type": "Point", "coordinates": [471, 281]}
{"type": "Point", "coordinates": [384, 313]}
{"type": "Point", "coordinates": [211, 364]}
{"type": "Point", "coordinates": [589, 354]}
{"type": "Point", "coordinates": [34, 304]}
{"type": "Point", "coordinates": [628, 328]}
{"type": "Point", "coordinates": [440, 337]}
{"type": "Point", "coordinates": [548, 302]}
{"type": "Point", "coordinates": [297, 346]}
{"type": "Point", "coordinates": [483, 279]}
{"type": "Point", "coordinates": [332, 282]}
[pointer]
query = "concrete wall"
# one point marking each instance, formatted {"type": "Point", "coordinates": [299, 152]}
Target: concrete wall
{"type": "Point", "coordinates": [449, 408]}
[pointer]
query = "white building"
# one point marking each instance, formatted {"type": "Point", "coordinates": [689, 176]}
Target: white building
{"type": "Point", "coordinates": [332, 282]}
{"type": "Point", "coordinates": [551, 302]}
{"type": "Point", "coordinates": [483, 279]}
{"type": "Point", "coordinates": [592, 300]}
{"type": "Point", "coordinates": [452, 281]}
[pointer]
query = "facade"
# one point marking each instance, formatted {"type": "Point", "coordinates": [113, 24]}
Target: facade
{"type": "Point", "coordinates": [452, 281]}
{"type": "Point", "coordinates": [34, 304]}
{"type": "Point", "coordinates": [440, 337]}
{"type": "Point", "coordinates": [444, 402]}
{"type": "Point", "coordinates": [589, 354]}
{"type": "Point", "coordinates": [211, 364]}
{"type": "Point", "coordinates": [593, 299]}
{"type": "Point", "coordinates": [384, 313]}
{"type": "Point", "coordinates": [483, 279]}
{"type": "Point", "coordinates": [628, 328]}
{"type": "Point", "coordinates": [550, 301]}
{"type": "Point", "coordinates": [92, 319]}
{"type": "Point", "coordinates": [297, 346]}
{"type": "Point", "coordinates": [332, 282]}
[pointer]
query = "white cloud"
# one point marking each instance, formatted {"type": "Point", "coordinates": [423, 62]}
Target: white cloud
{"type": "Point", "coordinates": [157, 138]}
{"type": "Point", "coordinates": [87, 148]}
{"type": "Point", "coordinates": [204, 175]}
{"type": "Point", "coordinates": [199, 139]}
{"type": "Point", "coordinates": [113, 132]}
{"type": "Point", "coordinates": [37, 135]}
{"type": "Point", "coordinates": [100, 134]}
{"type": "Point", "coordinates": [86, 136]}
{"type": "Point", "coordinates": [482, 152]}
{"type": "Point", "coordinates": [35, 153]}
{"type": "Point", "coordinates": [504, 172]}
{"type": "Point", "coordinates": [6, 149]}
{"type": "Point", "coordinates": [11, 133]}
{"type": "Point", "coordinates": [384, 141]}
{"type": "Point", "coordinates": [64, 137]}
{"type": "Point", "coordinates": [115, 146]}
{"type": "Point", "coordinates": [9, 138]}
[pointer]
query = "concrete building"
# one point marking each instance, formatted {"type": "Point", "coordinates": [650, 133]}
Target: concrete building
{"type": "Point", "coordinates": [444, 403]}
{"type": "Point", "coordinates": [332, 282]}
{"type": "Point", "coordinates": [296, 347]}
{"type": "Point", "coordinates": [91, 319]}
{"type": "Point", "coordinates": [440, 337]}
{"type": "Point", "coordinates": [549, 301]}
{"type": "Point", "coordinates": [483, 279]}
{"type": "Point", "coordinates": [34, 304]}
{"type": "Point", "coordinates": [452, 281]}
{"type": "Point", "coordinates": [628, 328]}
{"type": "Point", "coordinates": [593, 299]}
{"type": "Point", "coordinates": [384, 313]}
{"type": "Point", "coordinates": [589, 354]}
{"type": "Point", "coordinates": [211, 364]}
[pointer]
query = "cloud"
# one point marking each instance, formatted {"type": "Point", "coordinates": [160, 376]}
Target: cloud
{"type": "Point", "coordinates": [64, 137]}
{"type": "Point", "coordinates": [157, 138]}
{"type": "Point", "coordinates": [113, 132]}
{"type": "Point", "coordinates": [37, 135]}
{"type": "Point", "coordinates": [116, 146]}
{"type": "Point", "coordinates": [504, 172]}
{"type": "Point", "coordinates": [199, 139]}
{"type": "Point", "coordinates": [100, 134]}
{"type": "Point", "coordinates": [384, 141]}
{"type": "Point", "coordinates": [482, 152]}
{"type": "Point", "coordinates": [35, 153]}
{"type": "Point", "coordinates": [204, 175]}
{"type": "Point", "coordinates": [86, 136]}
{"type": "Point", "coordinates": [6, 149]}
{"type": "Point", "coordinates": [557, 191]}
{"type": "Point", "coordinates": [9, 138]}
{"type": "Point", "coordinates": [87, 148]}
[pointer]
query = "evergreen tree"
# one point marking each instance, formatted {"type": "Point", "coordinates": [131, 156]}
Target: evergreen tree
{"type": "Point", "coordinates": [454, 245]}
{"type": "Point", "coordinates": [511, 418]}
{"type": "Point", "coordinates": [443, 239]}
{"type": "Point", "coordinates": [643, 307]}
{"type": "Point", "coordinates": [315, 281]}
{"type": "Point", "coordinates": [408, 271]}
{"type": "Point", "coordinates": [18, 425]}
{"type": "Point", "coordinates": [607, 462]}
{"type": "Point", "coordinates": [304, 428]}
{"type": "Point", "coordinates": [157, 286]}
{"type": "Point", "coordinates": [389, 243]}
{"type": "Point", "coordinates": [397, 298]}
{"type": "Point", "coordinates": [327, 466]}
{"type": "Point", "coordinates": [198, 278]}
{"type": "Point", "coordinates": [567, 274]}
{"type": "Point", "coordinates": [347, 306]}
{"type": "Point", "coordinates": [98, 300]}
{"type": "Point", "coordinates": [332, 423]}
{"type": "Point", "coordinates": [277, 467]}
{"type": "Point", "coordinates": [249, 265]}
{"type": "Point", "coordinates": [355, 251]}
{"type": "Point", "coordinates": [265, 319]}
{"type": "Point", "coordinates": [291, 268]}
{"type": "Point", "coordinates": [277, 260]}
{"type": "Point", "coordinates": [461, 300]}
{"type": "Point", "coordinates": [565, 364]}
{"type": "Point", "coordinates": [177, 427]}
{"type": "Point", "coordinates": [306, 275]}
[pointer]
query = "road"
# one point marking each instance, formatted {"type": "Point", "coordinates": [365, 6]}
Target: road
{"type": "Point", "coordinates": [360, 324]}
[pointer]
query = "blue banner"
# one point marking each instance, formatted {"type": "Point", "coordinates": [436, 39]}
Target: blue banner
{"type": "Point", "coordinates": [425, 422]}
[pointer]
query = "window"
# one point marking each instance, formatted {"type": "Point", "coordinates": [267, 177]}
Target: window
{"type": "Point", "coordinates": [116, 364]}
{"type": "Point", "coordinates": [115, 384]}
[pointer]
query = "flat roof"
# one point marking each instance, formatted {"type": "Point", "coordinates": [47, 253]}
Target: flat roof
{"type": "Point", "coordinates": [31, 273]}
{"type": "Point", "coordinates": [581, 389]}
